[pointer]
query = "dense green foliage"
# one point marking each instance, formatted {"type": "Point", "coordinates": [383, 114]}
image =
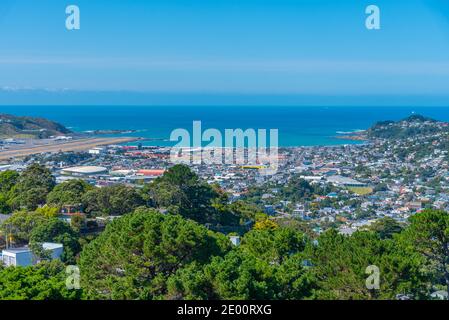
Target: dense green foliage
{"type": "Point", "coordinates": [296, 190]}
{"type": "Point", "coordinates": [111, 201]}
{"type": "Point", "coordinates": [409, 127]}
{"type": "Point", "coordinates": [55, 230]}
{"type": "Point", "coordinates": [181, 191]}
{"type": "Point", "coordinates": [46, 281]}
{"type": "Point", "coordinates": [339, 264]}
{"type": "Point", "coordinates": [32, 188]}
{"type": "Point", "coordinates": [136, 255]}
{"type": "Point", "coordinates": [386, 227]}
{"type": "Point", "coordinates": [147, 254]}
{"type": "Point", "coordinates": [428, 235]}
{"type": "Point", "coordinates": [68, 193]}
{"type": "Point", "coordinates": [7, 181]}
{"type": "Point", "coordinates": [20, 225]}
{"type": "Point", "coordinates": [35, 227]}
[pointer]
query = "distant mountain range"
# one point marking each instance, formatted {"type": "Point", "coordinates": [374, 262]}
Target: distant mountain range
{"type": "Point", "coordinates": [28, 127]}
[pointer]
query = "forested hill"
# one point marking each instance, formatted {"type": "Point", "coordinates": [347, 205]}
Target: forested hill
{"type": "Point", "coordinates": [29, 127]}
{"type": "Point", "coordinates": [408, 127]}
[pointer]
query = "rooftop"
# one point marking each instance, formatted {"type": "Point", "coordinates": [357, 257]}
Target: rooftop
{"type": "Point", "coordinates": [3, 217]}
{"type": "Point", "coordinates": [342, 180]}
{"type": "Point", "coordinates": [45, 245]}
{"type": "Point", "coordinates": [86, 170]}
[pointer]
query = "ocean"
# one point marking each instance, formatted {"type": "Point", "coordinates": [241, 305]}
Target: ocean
{"type": "Point", "coordinates": [298, 126]}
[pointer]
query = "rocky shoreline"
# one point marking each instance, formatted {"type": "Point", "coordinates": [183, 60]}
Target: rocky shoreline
{"type": "Point", "coordinates": [356, 136]}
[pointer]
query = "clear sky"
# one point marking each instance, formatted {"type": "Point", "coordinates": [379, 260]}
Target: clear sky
{"type": "Point", "coordinates": [226, 47]}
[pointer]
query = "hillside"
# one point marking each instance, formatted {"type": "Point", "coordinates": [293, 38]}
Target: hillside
{"type": "Point", "coordinates": [29, 127]}
{"type": "Point", "coordinates": [408, 127]}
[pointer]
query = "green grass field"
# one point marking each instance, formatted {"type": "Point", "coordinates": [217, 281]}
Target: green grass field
{"type": "Point", "coordinates": [361, 191]}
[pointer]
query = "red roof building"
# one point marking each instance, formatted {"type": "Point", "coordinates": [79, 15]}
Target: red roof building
{"type": "Point", "coordinates": [151, 172]}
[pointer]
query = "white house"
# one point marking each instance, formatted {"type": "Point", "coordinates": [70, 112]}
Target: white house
{"type": "Point", "coordinates": [24, 257]}
{"type": "Point", "coordinates": [97, 150]}
{"type": "Point", "coordinates": [62, 138]}
{"type": "Point", "coordinates": [439, 295]}
{"type": "Point", "coordinates": [235, 240]}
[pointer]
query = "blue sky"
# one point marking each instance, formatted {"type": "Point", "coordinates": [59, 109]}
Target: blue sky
{"type": "Point", "coordinates": [225, 47]}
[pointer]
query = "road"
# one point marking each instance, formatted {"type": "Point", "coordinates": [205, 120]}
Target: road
{"type": "Point", "coordinates": [74, 145]}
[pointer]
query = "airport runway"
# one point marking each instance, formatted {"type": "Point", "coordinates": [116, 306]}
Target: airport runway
{"type": "Point", "coordinates": [74, 145]}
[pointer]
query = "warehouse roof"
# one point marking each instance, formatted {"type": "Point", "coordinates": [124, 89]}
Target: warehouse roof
{"type": "Point", "coordinates": [86, 170]}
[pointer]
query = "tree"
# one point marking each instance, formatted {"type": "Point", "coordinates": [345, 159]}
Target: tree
{"type": "Point", "coordinates": [48, 211]}
{"type": "Point", "coordinates": [190, 283]}
{"type": "Point", "coordinates": [340, 262]}
{"type": "Point", "coordinates": [182, 192]}
{"type": "Point", "coordinates": [249, 272]}
{"type": "Point", "coordinates": [30, 199]}
{"type": "Point", "coordinates": [68, 193]}
{"type": "Point", "coordinates": [298, 189]}
{"type": "Point", "coordinates": [55, 230]}
{"type": "Point", "coordinates": [77, 222]}
{"type": "Point", "coordinates": [294, 279]}
{"type": "Point", "coordinates": [298, 225]}
{"type": "Point", "coordinates": [36, 175]}
{"type": "Point", "coordinates": [20, 224]}
{"type": "Point", "coordinates": [136, 254]}
{"type": "Point", "coordinates": [4, 206]}
{"type": "Point", "coordinates": [428, 234]}
{"type": "Point", "coordinates": [240, 276]}
{"type": "Point", "coordinates": [180, 175]}
{"type": "Point", "coordinates": [386, 227]}
{"type": "Point", "coordinates": [380, 187]}
{"type": "Point", "coordinates": [265, 224]}
{"type": "Point", "coordinates": [111, 201]}
{"type": "Point", "coordinates": [45, 281]}
{"type": "Point", "coordinates": [273, 245]}
{"type": "Point", "coordinates": [246, 211]}
{"type": "Point", "coordinates": [7, 180]}
{"type": "Point", "coordinates": [32, 188]}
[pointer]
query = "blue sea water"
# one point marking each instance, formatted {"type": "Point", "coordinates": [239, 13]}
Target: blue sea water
{"type": "Point", "coordinates": [298, 126]}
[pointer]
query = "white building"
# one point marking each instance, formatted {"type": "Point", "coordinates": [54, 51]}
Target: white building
{"type": "Point", "coordinates": [97, 150]}
{"type": "Point", "coordinates": [345, 181]}
{"type": "Point", "coordinates": [235, 240]}
{"type": "Point", "coordinates": [62, 138]}
{"type": "Point", "coordinates": [84, 171]}
{"type": "Point", "coordinates": [11, 167]}
{"type": "Point", "coordinates": [24, 257]}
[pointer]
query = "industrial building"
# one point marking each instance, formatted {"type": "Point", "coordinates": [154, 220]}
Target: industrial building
{"type": "Point", "coordinates": [341, 181]}
{"type": "Point", "coordinates": [85, 171]}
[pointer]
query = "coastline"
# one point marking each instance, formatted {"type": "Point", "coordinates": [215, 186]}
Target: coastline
{"type": "Point", "coordinates": [74, 145]}
{"type": "Point", "coordinates": [359, 135]}
{"type": "Point", "coordinates": [298, 127]}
